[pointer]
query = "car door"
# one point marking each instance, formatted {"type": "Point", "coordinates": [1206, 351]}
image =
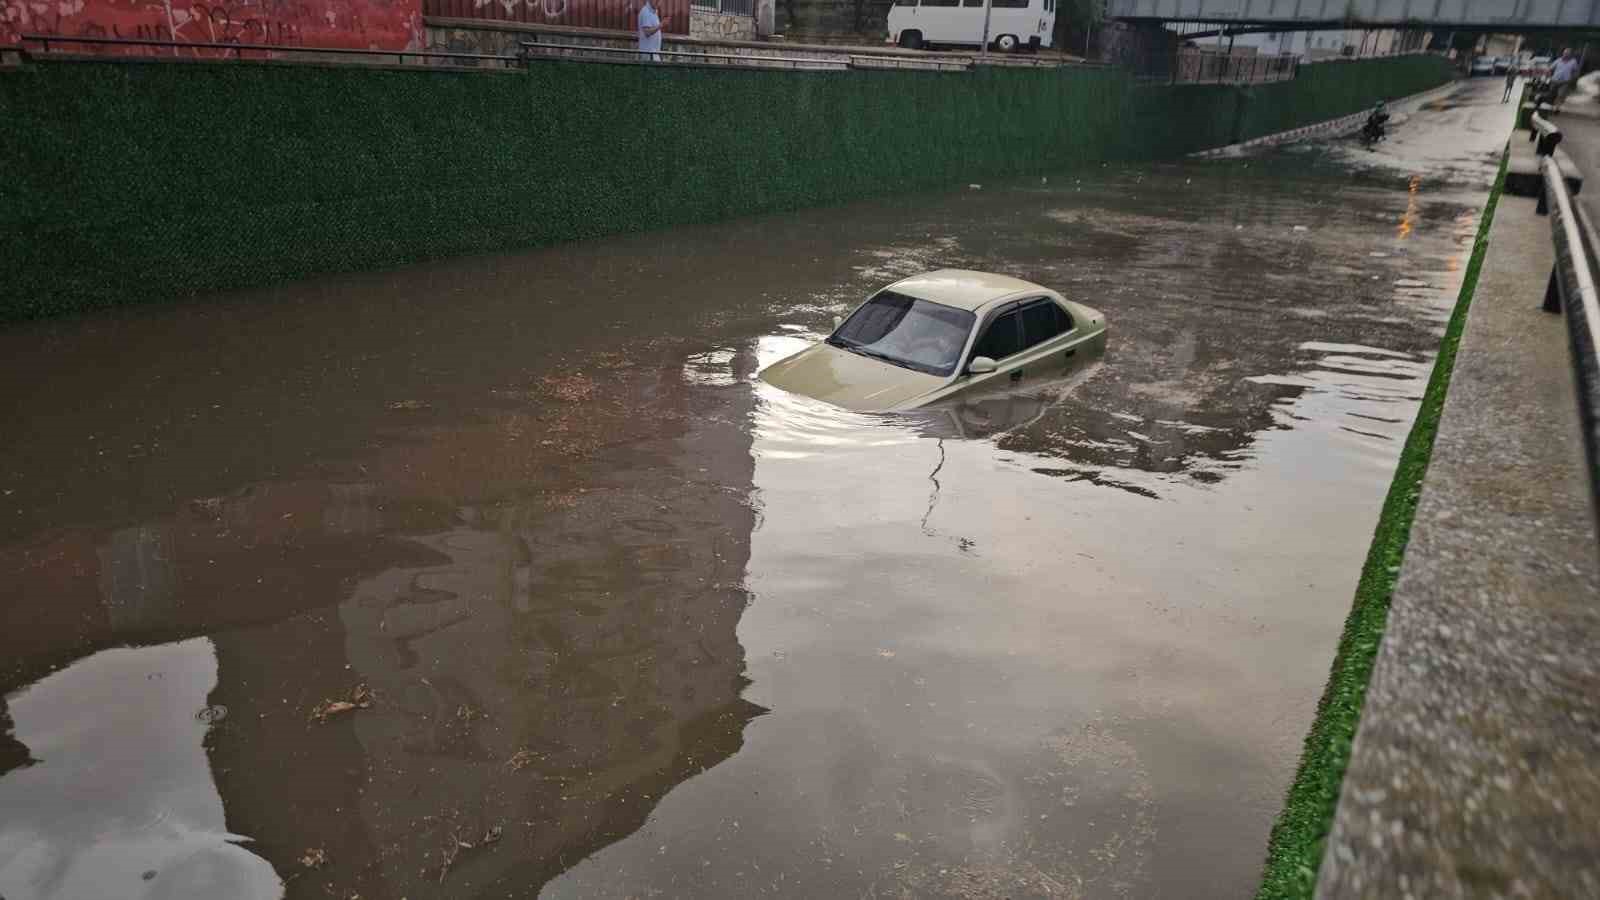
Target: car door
{"type": "Point", "coordinates": [1001, 341]}
{"type": "Point", "coordinates": [1029, 337]}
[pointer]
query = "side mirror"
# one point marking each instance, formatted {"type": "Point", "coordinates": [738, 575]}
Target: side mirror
{"type": "Point", "coordinates": [980, 365]}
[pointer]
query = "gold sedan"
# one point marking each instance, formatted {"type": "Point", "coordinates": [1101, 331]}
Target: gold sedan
{"type": "Point", "coordinates": [937, 335]}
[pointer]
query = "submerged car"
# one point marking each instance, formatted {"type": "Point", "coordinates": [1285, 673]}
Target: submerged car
{"type": "Point", "coordinates": [938, 335]}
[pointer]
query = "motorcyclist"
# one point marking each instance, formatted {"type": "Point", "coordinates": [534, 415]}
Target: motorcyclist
{"type": "Point", "coordinates": [1373, 130]}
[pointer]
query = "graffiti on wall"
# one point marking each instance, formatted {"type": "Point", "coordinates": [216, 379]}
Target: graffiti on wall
{"type": "Point", "coordinates": [355, 24]}
{"type": "Point", "coordinates": [617, 15]}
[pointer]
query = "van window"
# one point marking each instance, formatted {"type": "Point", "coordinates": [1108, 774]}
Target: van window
{"type": "Point", "coordinates": [1043, 320]}
{"type": "Point", "coordinates": [1009, 4]}
{"type": "Point", "coordinates": [941, 2]}
{"type": "Point", "coordinates": [905, 2]}
{"type": "Point", "coordinates": [972, 3]}
{"type": "Point", "coordinates": [1002, 338]}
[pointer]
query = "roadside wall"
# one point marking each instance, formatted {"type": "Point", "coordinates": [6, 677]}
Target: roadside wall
{"type": "Point", "coordinates": [350, 24]}
{"type": "Point", "coordinates": [717, 26]}
{"type": "Point", "coordinates": [129, 181]}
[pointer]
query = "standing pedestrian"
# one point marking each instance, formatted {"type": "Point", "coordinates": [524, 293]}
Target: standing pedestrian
{"type": "Point", "coordinates": [1564, 75]}
{"type": "Point", "coordinates": [649, 32]}
{"type": "Point", "coordinates": [1511, 82]}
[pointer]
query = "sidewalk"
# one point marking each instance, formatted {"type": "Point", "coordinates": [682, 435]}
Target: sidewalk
{"type": "Point", "coordinates": [1476, 769]}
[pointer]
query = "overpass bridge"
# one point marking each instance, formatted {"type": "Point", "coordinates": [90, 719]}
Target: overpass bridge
{"type": "Point", "coordinates": [1296, 15]}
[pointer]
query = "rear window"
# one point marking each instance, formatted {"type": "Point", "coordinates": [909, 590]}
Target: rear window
{"type": "Point", "coordinates": [907, 332]}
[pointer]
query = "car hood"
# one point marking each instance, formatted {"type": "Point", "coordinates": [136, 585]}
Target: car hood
{"type": "Point", "coordinates": [849, 379]}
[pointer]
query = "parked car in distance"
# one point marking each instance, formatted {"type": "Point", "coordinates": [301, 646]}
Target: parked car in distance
{"type": "Point", "coordinates": [940, 334]}
{"type": "Point", "coordinates": [1483, 65]}
{"type": "Point", "coordinates": [1502, 65]}
{"type": "Point", "coordinates": [1538, 67]}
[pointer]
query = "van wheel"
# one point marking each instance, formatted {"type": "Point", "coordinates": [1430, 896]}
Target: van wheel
{"type": "Point", "coordinates": [911, 40]}
{"type": "Point", "coordinates": [1006, 43]}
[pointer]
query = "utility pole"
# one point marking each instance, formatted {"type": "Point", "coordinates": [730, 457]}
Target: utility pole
{"type": "Point", "coordinates": [983, 48]}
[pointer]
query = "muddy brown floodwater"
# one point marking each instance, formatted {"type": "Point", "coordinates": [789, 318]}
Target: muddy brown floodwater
{"type": "Point", "coordinates": [505, 576]}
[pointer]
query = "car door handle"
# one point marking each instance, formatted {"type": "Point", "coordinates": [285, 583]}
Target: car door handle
{"type": "Point", "coordinates": [1072, 352]}
{"type": "Point", "coordinates": [1017, 375]}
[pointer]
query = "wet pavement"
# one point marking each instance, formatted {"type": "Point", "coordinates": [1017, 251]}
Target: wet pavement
{"type": "Point", "coordinates": [505, 577]}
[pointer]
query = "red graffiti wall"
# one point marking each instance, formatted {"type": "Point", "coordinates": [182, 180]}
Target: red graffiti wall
{"type": "Point", "coordinates": [359, 24]}
{"type": "Point", "coordinates": [618, 15]}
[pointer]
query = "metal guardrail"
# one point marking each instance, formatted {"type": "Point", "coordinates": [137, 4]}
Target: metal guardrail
{"type": "Point", "coordinates": [544, 50]}
{"type": "Point", "coordinates": [1207, 67]}
{"type": "Point", "coordinates": [1546, 134]}
{"type": "Point", "coordinates": [48, 43]}
{"type": "Point", "coordinates": [238, 50]}
{"type": "Point", "coordinates": [536, 50]}
{"type": "Point", "coordinates": [1572, 290]}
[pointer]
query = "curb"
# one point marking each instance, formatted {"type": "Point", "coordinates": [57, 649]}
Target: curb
{"type": "Point", "coordinates": [1341, 125]}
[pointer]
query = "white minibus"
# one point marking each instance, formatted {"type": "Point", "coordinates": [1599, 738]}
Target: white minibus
{"type": "Point", "coordinates": [1013, 24]}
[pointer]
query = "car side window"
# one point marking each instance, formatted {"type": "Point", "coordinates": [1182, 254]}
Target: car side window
{"type": "Point", "coordinates": [1043, 320]}
{"type": "Point", "coordinates": [1002, 338]}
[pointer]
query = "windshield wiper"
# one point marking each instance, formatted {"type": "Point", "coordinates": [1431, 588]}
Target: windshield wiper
{"type": "Point", "coordinates": [875, 354]}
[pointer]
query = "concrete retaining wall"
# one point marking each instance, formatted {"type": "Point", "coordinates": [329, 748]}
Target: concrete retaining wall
{"type": "Point", "coordinates": [721, 26]}
{"type": "Point", "coordinates": [1343, 125]}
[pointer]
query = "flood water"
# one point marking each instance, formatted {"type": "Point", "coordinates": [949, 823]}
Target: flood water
{"type": "Point", "coordinates": [505, 576]}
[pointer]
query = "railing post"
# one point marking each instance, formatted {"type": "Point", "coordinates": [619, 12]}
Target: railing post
{"type": "Point", "coordinates": [1552, 294]}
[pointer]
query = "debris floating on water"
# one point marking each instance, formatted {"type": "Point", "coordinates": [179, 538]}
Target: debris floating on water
{"type": "Point", "coordinates": [314, 858]}
{"type": "Point", "coordinates": [360, 698]}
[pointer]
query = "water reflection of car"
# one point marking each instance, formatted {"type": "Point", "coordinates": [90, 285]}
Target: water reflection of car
{"type": "Point", "coordinates": [982, 414]}
{"type": "Point", "coordinates": [936, 335]}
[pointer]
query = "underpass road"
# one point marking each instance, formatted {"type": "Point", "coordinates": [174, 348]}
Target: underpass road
{"type": "Point", "coordinates": [504, 576]}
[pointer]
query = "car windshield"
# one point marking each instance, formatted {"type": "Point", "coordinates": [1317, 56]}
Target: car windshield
{"type": "Point", "coordinates": [915, 334]}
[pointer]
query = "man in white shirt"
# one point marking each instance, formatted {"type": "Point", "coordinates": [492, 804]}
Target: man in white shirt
{"type": "Point", "coordinates": [1564, 75]}
{"type": "Point", "coordinates": [649, 32]}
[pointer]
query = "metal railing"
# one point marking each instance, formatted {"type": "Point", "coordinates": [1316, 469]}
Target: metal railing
{"type": "Point", "coordinates": [238, 51]}
{"type": "Point", "coordinates": [728, 7]}
{"type": "Point", "coordinates": [1572, 290]}
{"type": "Point", "coordinates": [532, 50]}
{"type": "Point", "coordinates": [542, 50]}
{"type": "Point", "coordinates": [1208, 67]}
{"type": "Point", "coordinates": [1546, 136]}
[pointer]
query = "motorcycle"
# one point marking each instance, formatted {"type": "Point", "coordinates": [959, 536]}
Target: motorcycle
{"type": "Point", "coordinates": [1373, 131]}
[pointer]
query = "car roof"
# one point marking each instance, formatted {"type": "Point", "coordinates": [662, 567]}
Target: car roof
{"type": "Point", "coordinates": [963, 288]}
